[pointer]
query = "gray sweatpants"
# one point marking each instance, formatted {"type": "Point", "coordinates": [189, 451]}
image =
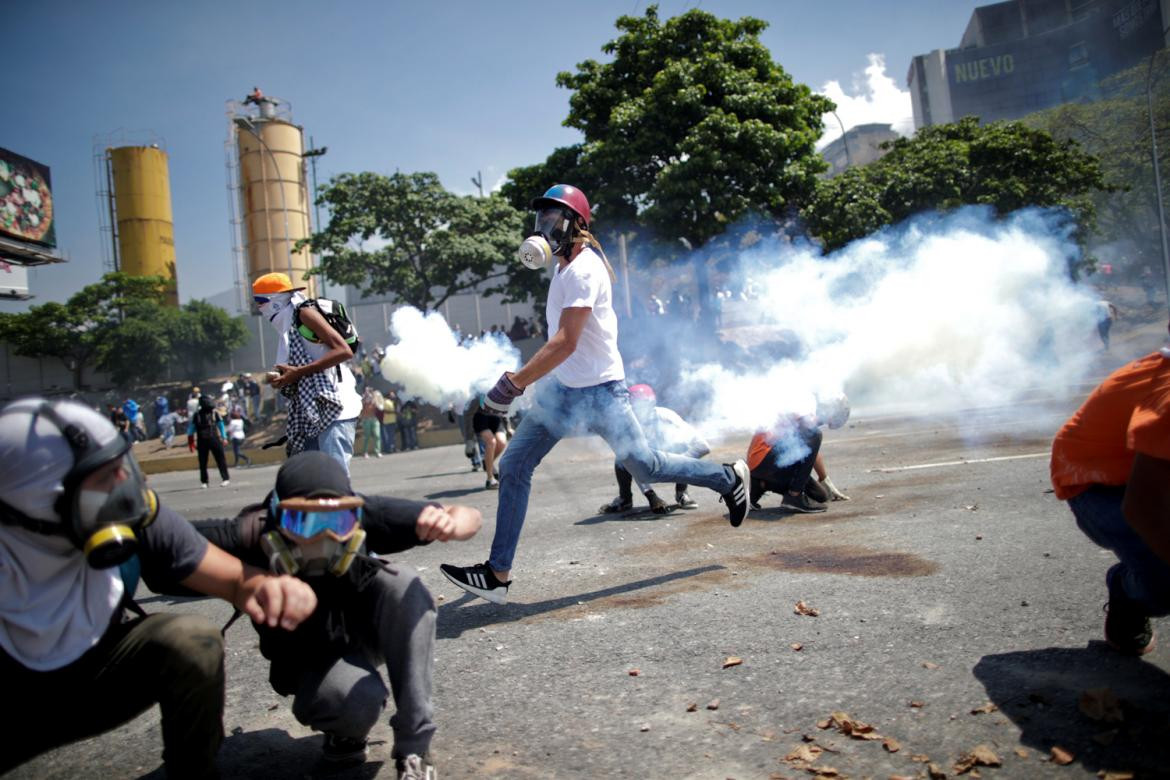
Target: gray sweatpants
{"type": "Point", "coordinates": [347, 698]}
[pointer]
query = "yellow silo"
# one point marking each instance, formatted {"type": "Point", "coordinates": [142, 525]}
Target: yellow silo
{"type": "Point", "coordinates": [274, 199]}
{"type": "Point", "coordinates": [145, 225]}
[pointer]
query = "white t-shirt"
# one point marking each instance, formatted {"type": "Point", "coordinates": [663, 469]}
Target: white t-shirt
{"type": "Point", "coordinates": [585, 283]}
{"type": "Point", "coordinates": [351, 399]}
{"type": "Point", "coordinates": [236, 428]}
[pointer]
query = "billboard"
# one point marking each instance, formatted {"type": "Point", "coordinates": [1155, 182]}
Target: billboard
{"type": "Point", "coordinates": [13, 281]}
{"type": "Point", "coordinates": [26, 200]}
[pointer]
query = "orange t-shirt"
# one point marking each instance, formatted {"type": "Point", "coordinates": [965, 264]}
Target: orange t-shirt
{"type": "Point", "coordinates": [758, 448]}
{"type": "Point", "coordinates": [1128, 413]}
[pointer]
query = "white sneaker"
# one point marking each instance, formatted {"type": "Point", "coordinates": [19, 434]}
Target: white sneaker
{"type": "Point", "coordinates": [225, 483]}
{"type": "Point", "coordinates": [203, 485]}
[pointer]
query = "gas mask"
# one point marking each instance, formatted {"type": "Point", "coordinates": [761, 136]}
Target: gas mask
{"type": "Point", "coordinates": [552, 236]}
{"type": "Point", "coordinates": [314, 535]}
{"type": "Point", "coordinates": [104, 526]}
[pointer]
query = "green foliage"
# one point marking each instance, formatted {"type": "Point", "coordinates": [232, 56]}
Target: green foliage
{"type": "Point", "coordinates": [690, 127]}
{"type": "Point", "coordinates": [86, 330]}
{"type": "Point", "coordinates": [406, 236]}
{"type": "Point", "coordinates": [201, 333]}
{"type": "Point", "coordinates": [1006, 165]}
{"type": "Point", "coordinates": [123, 326]}
{"type": "Point", "coordinates": [1116, 128]}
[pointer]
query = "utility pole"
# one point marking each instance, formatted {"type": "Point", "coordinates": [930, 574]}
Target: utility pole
{"type": "Point", "coordinates": [313, 154]}
{"type": "Point", "coordinates": [845, 141]}
{"type": "Point", "coordinates": [477, 180]}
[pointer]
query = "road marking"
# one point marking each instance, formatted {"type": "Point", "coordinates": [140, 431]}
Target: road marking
{"type": "Point", "coordinates": [961, 462]}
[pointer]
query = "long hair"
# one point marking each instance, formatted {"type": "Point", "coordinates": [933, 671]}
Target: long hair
{"type": "Point", "coordinates": [585, 237]}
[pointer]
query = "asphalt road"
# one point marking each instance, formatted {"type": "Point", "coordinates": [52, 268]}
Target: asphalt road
{"type": "Point", "coordinates": [958, 606]}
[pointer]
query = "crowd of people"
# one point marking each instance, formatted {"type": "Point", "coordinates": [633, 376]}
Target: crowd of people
{"type": "Point", "coordinates": [305, 559]}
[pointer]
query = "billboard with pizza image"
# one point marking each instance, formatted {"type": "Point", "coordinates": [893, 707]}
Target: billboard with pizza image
{"type": "Point", "coordinates": [26, 200]}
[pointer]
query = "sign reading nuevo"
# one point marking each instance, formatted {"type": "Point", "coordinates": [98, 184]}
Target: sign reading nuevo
{"type": "Point", "coordinates": [986, 68]}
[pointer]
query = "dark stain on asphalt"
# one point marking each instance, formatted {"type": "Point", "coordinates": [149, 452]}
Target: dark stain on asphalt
{"type": "Point", "coordinates": [854, 561]}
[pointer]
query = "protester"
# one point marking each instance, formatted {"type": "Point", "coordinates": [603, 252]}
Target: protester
{"type": "Point", "coordinates": [205, 433]}
{"type": "Point", "coordinates": [389, 421]}
{"type": "Point", "coordinates": [1106, 314]}
{"type": "Point", "coordinates": [312, 370]}
{"type": "Point", "coordinates": [1111, 463]}
{"type": "Point", "coordinates": [251, 390]}
{"type": "Point", "coordinates": [587, 390]}
{"type": "Point", "coordinates": [167, 424]}
{"type": "Point", "coordinates": [666, 431]}
{"type": "Point", "coordinates": [408, 424]}
{"type": "Point", "coordinates": [161, 407]}
{"type": "Point", "coordinates": [783, 457]}
{"type": "Point", "coordinates": [238, 435]}
{"type": "Point", "coordinates": [78, 527]}
{"type": "Point", "coordinates": [136, 421]}
{"type": "Point", "coordinates": [120, 422]}
{"type": "Point", "coordinates": [313, 525]}
{"type": "Point", "coordinates": [492, 432]}
{"type": "Point", "coordinates": [372, 402]}
{"type": "Point", "coordinates": [193, 401]}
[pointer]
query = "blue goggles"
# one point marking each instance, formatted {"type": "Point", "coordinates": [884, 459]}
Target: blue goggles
{"type": "Point", "coordinates": [306, 518]}
{"type": "Point", "coordinates": [261, 299]}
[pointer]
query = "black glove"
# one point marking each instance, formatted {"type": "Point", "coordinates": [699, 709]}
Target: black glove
{"type": "Point", "coordinates": [500, 397]}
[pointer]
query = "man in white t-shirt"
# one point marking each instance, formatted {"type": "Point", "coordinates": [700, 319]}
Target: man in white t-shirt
{"type": "Point", "coordinates": [587, 391]}
{"type": "Point", "coordinates": [313, 372]}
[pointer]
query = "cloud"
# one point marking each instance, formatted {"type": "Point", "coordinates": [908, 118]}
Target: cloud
{"type": "Point", "coordinates": [875, 98]}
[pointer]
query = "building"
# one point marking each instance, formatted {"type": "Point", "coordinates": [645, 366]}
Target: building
{"type": "Point", "coordinates": [1021, 56]}
{"type": "Point", "coordinates": [861, 145]}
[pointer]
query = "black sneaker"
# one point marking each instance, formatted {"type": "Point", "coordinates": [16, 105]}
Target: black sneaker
{"type": "Point", "coordinates": [737, 498]}
{"type": "Point", "coordinates": [415, 767]}
{"type": "Point", "coordinates": [657, 505]}
{"type": "Point", "coordinates": [619, 504]}
{"type": "Point", "coordinates": [478, 580]}
{"type": "Point", "coordinates": [801, 503]}
{"type": "Point", "coordinates": [683, 499]}
{"type": "Point", "coordinates": [344, 750]}
{"type": "Point", "coordinates": [1127, 626]}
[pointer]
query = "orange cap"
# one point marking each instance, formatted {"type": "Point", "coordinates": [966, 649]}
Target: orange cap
{"type": "Point", "coordinates": [272, 283]}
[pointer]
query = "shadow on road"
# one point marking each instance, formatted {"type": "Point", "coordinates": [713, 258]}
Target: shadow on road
{"type": "Point", "coordinates": [455, 618]}
{"type": "Point", "coordinates": [1039, 691]}
{"type": "Point", "coordinates": [273, 753]}
{"type": "Point", "coordinates": [454, 493]}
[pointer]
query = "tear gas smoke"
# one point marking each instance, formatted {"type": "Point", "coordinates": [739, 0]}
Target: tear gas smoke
{"type": "Point", "coordinates": [931, 317]}
{"type": "Point", "coordinates": [432, 366]}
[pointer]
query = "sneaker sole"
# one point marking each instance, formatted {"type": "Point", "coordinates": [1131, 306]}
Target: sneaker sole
{"type": "Point", "coordinates": [800, 510]}
{"type": "Point", "coordinates": [488, 595]}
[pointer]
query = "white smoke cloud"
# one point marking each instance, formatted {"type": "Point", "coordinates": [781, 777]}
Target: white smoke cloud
{"type": "Point", "coordinates": [874, 97]}
{"type": "Point", "coordinates": [932, 317]}
{"type": "Point", "coordinates": [432, 366]}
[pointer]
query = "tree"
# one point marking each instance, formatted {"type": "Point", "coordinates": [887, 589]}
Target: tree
{"type": "Point", "coordinates": [1116, 128]}
{"type": "Point", "coordinates": [1006, 165]}
{"type": "Point", "coordinates": [406, 236]}
{"type": "Point", "coordinates": [201, 333]}
{"type": "Point", "coordinates": [692, 125]}
{"type": "Point", "coordinates": [82, 331]}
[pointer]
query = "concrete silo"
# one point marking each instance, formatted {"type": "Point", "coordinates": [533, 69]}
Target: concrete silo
{"type": "Point", "coordinates": [267, 174]}
{"type": "Point", "coordinates": [140, 211]}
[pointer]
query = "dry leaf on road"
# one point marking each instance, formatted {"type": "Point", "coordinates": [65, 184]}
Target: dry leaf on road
{"type": "Point", "coordinates": [805, 753]}
{"type": "Point", "coordinates": [804, 609]}
{"type": "Point", "coordinates": [635, 672]}
{"type": "Point", "coordinates": [1021, 753]}
{"type": "Point", "coordinates": [980, 755]}
{"type": "Point", "coordinates": [713, 704]}
{"type": "Point", "coordinates": [731, 661]}
{"type": "Point", "coordinates": [1060, 756]}
{"type": "Point", "coordinates": [936, 772]}
{"type": "Point", "coordinates": [797, 646]}
{"type": "Point", "coordinates": [930, 665]}
{"type": "Point", "coordinates": [891, 745]}
{"type": "Point", "coordinates": [693, 707]}
{"type": "Point", "coordinates": [917, 704]}
{"type": "Point", "coordinates": [985, 709]}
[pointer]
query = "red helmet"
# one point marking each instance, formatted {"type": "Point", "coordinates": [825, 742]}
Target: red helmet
{"type": "Point", "coordinates": [568, 196]}
{"type": "Point", "coordinates": [643, 393]}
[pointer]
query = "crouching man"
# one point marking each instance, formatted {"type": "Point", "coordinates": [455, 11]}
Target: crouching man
{"type": "Point", "coordinates": [314, 526]}
{"type": "Point", "coordinates": [78, 527]}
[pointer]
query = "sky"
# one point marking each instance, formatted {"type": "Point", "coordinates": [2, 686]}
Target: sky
{"type": "Point", "coordinates": [457, 88]}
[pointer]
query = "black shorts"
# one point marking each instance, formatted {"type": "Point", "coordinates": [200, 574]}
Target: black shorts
{"type": "Point", "coordinates": [485, 422]}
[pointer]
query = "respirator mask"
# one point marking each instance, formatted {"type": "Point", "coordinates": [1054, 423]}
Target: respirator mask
{"type": "Point", "coordinates": [314, 535]}
{"type": "Point", "coordinates": [551, 236]}
{"type": "Point", "coordinates": [104, 525]}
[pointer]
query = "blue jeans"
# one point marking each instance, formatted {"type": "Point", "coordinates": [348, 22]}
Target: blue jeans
{"type": "Point", "coordinates": [1141, 575]}
{"type": "Point", "coordinates": [336, 441]}
{"type": "Point", "coordinates": [603, 409]}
